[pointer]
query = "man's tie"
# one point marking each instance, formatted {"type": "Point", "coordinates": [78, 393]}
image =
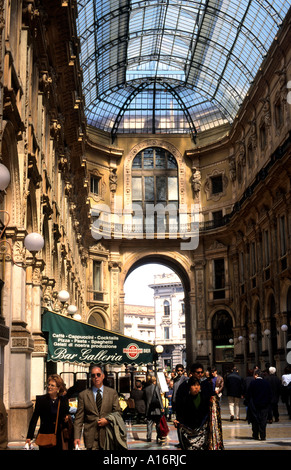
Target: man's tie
{"type": "Point", "coordinates": [98, 400]}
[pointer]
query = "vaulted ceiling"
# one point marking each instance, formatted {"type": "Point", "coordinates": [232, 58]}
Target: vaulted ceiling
{"type": "Point", "coordinates": [160, 66]}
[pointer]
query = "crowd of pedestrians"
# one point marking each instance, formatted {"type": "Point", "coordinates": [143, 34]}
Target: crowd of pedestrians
{"type": "Point", "coordinates": [192, 403]}
{"type": "Point", "coordinates": [259, 393]}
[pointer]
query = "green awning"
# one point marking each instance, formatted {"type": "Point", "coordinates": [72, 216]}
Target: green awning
{"type": "Point", "coordinates": [77, 342]}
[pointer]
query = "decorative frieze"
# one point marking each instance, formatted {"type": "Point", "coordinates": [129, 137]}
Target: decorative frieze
{"type": "Point", "coordinates": [21, 344]}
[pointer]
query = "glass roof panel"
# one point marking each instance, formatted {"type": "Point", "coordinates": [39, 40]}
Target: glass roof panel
{"type": "Point", "coordinates": [192, 62]}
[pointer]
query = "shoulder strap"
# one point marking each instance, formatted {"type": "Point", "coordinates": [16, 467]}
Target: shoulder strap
{"type": "Point", "coordinates": [57, 415]}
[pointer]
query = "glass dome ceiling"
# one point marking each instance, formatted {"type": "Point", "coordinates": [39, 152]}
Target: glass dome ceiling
{"type": "Point", "coordinates": [160, 66]}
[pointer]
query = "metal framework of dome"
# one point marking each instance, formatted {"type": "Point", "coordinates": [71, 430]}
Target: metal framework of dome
{"type": "Point", "coordinates": [165, 66]}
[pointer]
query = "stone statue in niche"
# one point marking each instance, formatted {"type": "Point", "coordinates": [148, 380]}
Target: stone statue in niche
{"type": "Point", "coordinates": [196, 181]}
{"type": "Point", "coordinates": [113, 180]}
{"type": "Point", "coordinates": [232, 168]}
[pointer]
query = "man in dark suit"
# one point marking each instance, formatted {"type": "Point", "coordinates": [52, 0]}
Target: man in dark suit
{"type": "Point", "coordinates": [96, 406]}
{"type": "Point", "coordinates": [259, 397]}
{"type": "Point", "coordinates": [137, 395]}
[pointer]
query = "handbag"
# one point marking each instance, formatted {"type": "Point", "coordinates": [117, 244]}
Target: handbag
{"type": "Point", "coordinates": [48, 440]}
{"type": "Point", "coordinates": [164, 428]}
{"type": "Point", "coordinates": [130, 403]}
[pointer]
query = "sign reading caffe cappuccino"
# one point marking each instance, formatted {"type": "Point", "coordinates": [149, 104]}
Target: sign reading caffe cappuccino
{"type": "Point", "coordinates": [77, 342]}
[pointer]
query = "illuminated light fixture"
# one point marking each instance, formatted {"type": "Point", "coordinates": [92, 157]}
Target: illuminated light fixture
{"type": "Point", "coordinates": [33, 242]}
{"type": "Point", "coordinates": [4, 177]}
{"type": "Point", "coordinates": [159, 349]}
{"type": "Point", "coordinates": [72, 311]}
{"type": "Point", "coordinates": [63, 296]}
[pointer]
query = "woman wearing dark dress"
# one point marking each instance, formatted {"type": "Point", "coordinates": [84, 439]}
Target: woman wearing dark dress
{"type": "Point", "coordinates": [198, 418]}
{"type": "Point", "coordinates": [46, 407]}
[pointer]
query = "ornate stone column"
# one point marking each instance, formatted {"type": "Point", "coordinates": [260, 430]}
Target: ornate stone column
{"type": "Point", "coordinates": [191, 322]}
{"type": "Point", "coordinates": [17, 361]}
{"type": "Point", "coordinates": [114, 268]}
{"type": "Point", "coordinates": [34, 284]}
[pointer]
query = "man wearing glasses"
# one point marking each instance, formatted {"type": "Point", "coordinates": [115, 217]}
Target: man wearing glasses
{"type": "Point", "coordinates": [99, 412]}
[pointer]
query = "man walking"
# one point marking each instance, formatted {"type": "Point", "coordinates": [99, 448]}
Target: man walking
{"type": "Point", "coordinates": [100, 414]}
{"type": "Point", "coordinates": [259, 396]}
{"type": "Point", "coordinates": [234, 388]}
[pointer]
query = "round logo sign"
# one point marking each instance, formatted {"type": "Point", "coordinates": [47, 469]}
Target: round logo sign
{"type": "Point", "coordinates": [132, 351]}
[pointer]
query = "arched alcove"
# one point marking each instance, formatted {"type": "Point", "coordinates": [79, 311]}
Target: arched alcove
{"type": "Point", "coordinates": [222, 335]}
{"type": "Point", "coordinates": [97, 318]}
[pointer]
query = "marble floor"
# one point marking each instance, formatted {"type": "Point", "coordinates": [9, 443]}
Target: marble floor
{"type": "Point", "coordinates": [237, 435]}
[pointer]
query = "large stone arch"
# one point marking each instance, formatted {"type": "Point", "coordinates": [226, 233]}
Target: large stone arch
{"type": "Point", "coordinates": [181, 265]}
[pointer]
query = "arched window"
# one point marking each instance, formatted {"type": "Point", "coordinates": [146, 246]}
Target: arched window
{"type": "Point", "coordinates": [222, 332]}
{"type": "Point", "coordinates": [155, 182]}
{"type": "Point", "coordinates": [167, 308]}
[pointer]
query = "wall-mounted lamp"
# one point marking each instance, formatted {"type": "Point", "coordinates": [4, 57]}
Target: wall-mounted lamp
{"type": "Point", "coordinates": [72, 312]}
{"type": "Point", "coordinates": [33, 242]}
{"type": "Point", "coordinates": [252, 336]}
{"type": "Point", "coordinates": [4, 177]}
{"type": "Point", "coordinates": [58, 302]}
{"type": "Point", "coordinates": [267, 332]}
{"type": "Point", "coordinates": [63, 297]}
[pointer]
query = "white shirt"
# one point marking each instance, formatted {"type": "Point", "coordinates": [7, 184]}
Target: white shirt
{"type": "Point", "coordinates": [286, 379]}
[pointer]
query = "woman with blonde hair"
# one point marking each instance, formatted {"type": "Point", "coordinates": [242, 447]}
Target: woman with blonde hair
{"type": "Point", "coordinates": [53, 411]}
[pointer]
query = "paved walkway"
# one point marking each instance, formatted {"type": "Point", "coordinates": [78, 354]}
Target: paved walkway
{"type": "Point", "coordinates": [237, 435]}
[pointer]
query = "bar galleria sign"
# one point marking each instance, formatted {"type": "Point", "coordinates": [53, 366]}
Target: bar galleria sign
{"type": "Point", "coordinates": [77, 342]}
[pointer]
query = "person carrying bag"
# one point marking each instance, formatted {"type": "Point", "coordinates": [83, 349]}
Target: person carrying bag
{"type": "Point", "coordinates": [154, 407]}
{"type": "Point", "coordinates": [164, 428]}
{"type": "Point", "coordinates": [48, 440]}
{"type": "Point", "coordinates": [53, 411]}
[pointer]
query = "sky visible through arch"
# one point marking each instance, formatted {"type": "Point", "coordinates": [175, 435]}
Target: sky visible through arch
{"type": "Point", "coordinates": [136, 285]}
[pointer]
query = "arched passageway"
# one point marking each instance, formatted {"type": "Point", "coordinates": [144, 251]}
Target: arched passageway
{"type": "Point", "coordinates": [176, 267]}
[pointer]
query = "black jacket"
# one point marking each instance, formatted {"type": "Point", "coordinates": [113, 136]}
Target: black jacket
{"type": "Point", "coordinates": [186, 412]}
{"type": "Point", "coordinates": [234, 385]}
{"type": "Point", "coordinates": [259, 394]}
{"type": "Point", "coordinates": [46, 411]}
{"type": "Point", "coordinates": [138, 396]}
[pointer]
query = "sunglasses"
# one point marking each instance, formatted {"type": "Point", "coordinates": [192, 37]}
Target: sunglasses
{"type": "Point", "coordinates": [96, 375]}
